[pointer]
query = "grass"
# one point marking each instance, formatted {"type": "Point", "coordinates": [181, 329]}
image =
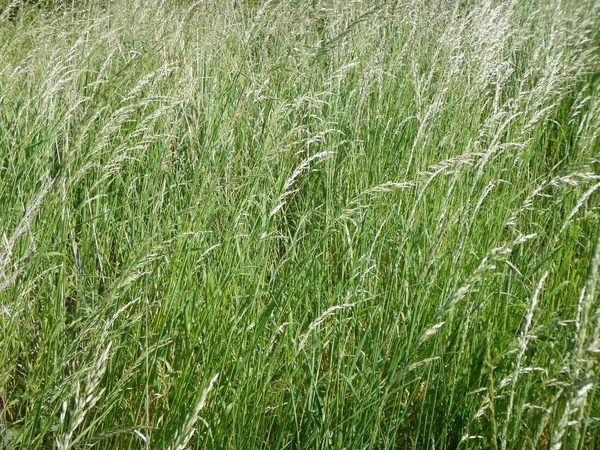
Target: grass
{"type": "Point", "coordinates": [310, 225]}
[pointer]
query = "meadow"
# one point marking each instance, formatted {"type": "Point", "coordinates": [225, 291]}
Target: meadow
{"type": "Point", "coordinates": [300, 224]}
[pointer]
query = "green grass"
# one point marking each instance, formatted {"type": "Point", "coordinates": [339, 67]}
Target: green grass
{"type": "Point", "coordinates": [293, 224]}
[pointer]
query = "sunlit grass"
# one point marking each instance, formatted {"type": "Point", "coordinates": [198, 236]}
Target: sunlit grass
{"type": "Point", "coordinates": [288, 224]}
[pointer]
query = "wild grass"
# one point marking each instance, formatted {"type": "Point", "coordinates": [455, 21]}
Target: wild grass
{"type": "Point", "coordinates": [296, 224]}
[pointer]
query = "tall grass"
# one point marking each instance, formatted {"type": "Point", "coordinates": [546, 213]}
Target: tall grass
{"type": "Point", "coordinates": [289, 224]}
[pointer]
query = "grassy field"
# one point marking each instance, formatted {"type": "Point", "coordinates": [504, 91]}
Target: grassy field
{"type": "Point", "coordinates": [325, 224]}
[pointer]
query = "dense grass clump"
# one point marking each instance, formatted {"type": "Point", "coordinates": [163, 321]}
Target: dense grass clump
{"type": "Point", "coordinates": [321, 224]}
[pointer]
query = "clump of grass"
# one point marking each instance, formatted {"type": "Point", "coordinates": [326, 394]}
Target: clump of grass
{"type": "Point", "coordinates": [378, 224]}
